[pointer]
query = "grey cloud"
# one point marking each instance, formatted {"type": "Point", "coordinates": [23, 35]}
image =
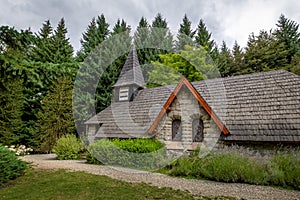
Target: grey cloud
{"type": "Point", "coordinates": [228, 20]}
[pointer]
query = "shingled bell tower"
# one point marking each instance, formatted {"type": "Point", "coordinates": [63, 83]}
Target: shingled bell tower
{"type": "Point", "coordinates": [131, 79]}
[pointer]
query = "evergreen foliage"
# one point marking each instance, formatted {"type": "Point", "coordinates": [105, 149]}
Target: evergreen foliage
{"type": "Point", "coordinates": [263, 53]}
{"type": "Point", "coordinates": [96, 33]}
{"type": "Point", "coordinates": [10, 165]}
{"type": "Point", "coordinates": [42, 50]}
{"type": "Point", "coordinates": [185, 34]}
{"type": "Point", "coordinates": [11, 110]}
{"type": "Point", "coordinates": [287, 33]}
{"type": "Point", "coordinates": [62, 49]}
{"type": "Point", "coordinates": [203, 37]}
{"type": "Point", "coordinates": [238, 64]}
{"type": "Point", "coordinates": [142, 45]}
{"type": "Point", "coordinates": [30, 62]}
{"type": "Point", "coordinates": [55, 119]}
{"type": "Point", "coordinates": [52, 46]}
{"type": "Point", "coordinates": [224, 61]}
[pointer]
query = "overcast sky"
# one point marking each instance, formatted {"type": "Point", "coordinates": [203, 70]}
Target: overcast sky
{"type": "Point", "coordinates": [228, 20]}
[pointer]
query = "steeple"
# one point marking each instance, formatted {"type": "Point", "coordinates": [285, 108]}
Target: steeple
{"type": "Point", "coordinates": [130, 79]}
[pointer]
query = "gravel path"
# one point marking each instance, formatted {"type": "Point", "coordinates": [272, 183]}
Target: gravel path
{"type": "Point", "coordinates": [206, 188]}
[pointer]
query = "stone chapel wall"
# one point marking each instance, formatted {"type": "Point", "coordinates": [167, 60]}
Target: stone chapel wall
{"type": "Point", "coordinates": [186, 108]}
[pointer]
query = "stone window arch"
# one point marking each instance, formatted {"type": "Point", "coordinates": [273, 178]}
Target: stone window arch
{"type": "Point", "coordinates": [198, 130]}
{"type": "Point", "coordinates": [176, 130]}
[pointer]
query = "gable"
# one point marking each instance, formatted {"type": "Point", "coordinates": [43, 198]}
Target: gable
{"type": "Point", "coordinates": [203, 103]}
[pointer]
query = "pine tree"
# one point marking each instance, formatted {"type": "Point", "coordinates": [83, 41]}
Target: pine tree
{"type": "Point", "coordinates": [102, 29]}
{"type": "Point", "coordinates": [55, 119]}
{"type": "Point", "coordinates": [185, 34]}
{"type": "Point", "coordinates": [15, 43]}
{"type": "Point", "coordinates": [160, 41]}
{"type": "Point", "coordinates": [142, 33]}
{"type": "Point", "coordinates": [88, 41]}
{"type": "Point", "coordinates": [53, 47]}
{"type": "Point", "coordinates": [224, 61]}
{"type": "Point", "coordinates": [120, 27]}
{"type": "Point", "coordinates": [119, 42]}
{"type": "Point", "coordinates": [142, 45]}
{"type": "Point", "coordinates": [160, 35]}
{"type": "Point", "coordinates": [238, 64]}
{"type": "Point", "coordinates": [96, 33]}
{"type": "Point", "coordinates": [61, 47]}
{"type": "Point", "coordinates": [42, 50]}
{"type": "Point", "coordinates": [288, 34]}
{"type": "Point", "coordinates": [264, 52]}
{"type": "Point", "coordinates": [11, 110]}
{"type": "Point", "coordinates": [203, 37]}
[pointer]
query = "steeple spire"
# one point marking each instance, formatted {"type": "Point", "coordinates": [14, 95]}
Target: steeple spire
{"type": "Point", "coordinates": [130, 80]}
{"type": "Point", "coordinates": [131, 72]}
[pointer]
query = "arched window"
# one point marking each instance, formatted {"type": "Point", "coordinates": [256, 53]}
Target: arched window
{"type": "Point", "coordinates": [176, 130]}
{"type": "Point", "coordinates": [198, 128]}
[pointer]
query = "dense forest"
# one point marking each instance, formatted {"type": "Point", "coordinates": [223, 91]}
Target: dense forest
{"type": "Point", "coordinates": [37, 70]}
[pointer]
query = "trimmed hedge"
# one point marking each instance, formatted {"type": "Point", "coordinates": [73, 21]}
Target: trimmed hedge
{"type": "Point", "coordinates": [68, 147]}
{"type": "Point", "coordinates": [139, 153]}
{"type": "Point", "coordinates": [10, 165]}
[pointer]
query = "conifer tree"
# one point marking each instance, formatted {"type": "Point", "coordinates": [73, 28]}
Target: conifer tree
{"type": "Point", "coordinates": [61, 47]}
{"type": "Point", "coordinates": [55, 118]}
{"type": "Point", "coordinates": [142, 44]}
{"type": "Point", "coordinates": [287, 33]}
{"type": "Point", "coordinates": [102, 29]}
{"type": "Point", "coordinates": [96, 33]}
{"type": "Point", "coordinates": [203, 37]}
{"type": "Point", "coordinates": [42, 50]}
{"type": "Point", "coordinates": [185, 34]}
{"type": "Point", "coordinates": [11, 110]}
{"type": "Point", "coordinates": [142, 33]}
{"type": "Point", "coordinates": [119, 41]}
{"type": "Point", "coordinates": [160, 35]}
{"type": "Point", "coordinates": [264, 52]}
{"type": "Point", "coordinates": [160, 41]}
{"type": "Point", "coordinates": [224, 61]}
{"type": "Point", "coordinates": [238, 64]}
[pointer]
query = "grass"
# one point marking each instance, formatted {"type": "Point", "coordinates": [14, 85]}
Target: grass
{"type": "Point", "coordinates": [38, 184]}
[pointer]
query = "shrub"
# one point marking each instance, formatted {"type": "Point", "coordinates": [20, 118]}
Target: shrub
{"type": "Point", "coordinates": [140, 145]}
{"type": "Point", "coordinates": [182, 167]}
{"type": "Point", "coordinates": [68, 147]}
{"type": "Point", "coordinates": [233, 168]}
{"type": "Point", "coordinates": [133, 153]}
{"type": "Point", "coordinates": [235, 165]}
{"type": "Point", "coordinates": [10, 166]}
{"type": "Point", "coordinates": [285, 170]}
{"type": "Point", "coordinates": [91, 159]}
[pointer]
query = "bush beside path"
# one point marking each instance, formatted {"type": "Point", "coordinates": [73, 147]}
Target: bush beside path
{"type": "Point", "coordinates": [206, 188]}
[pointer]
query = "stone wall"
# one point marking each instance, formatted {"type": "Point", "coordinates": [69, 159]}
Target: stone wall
{"type": "Point", "coordinates": [186, 108]}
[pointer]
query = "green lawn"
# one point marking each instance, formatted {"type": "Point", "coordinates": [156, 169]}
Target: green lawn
{"type": "Point", "coordinates": [36, 184]}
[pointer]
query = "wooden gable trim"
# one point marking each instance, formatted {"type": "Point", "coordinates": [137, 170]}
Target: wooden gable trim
{"type": "Point", "coordinates": [196, 94]}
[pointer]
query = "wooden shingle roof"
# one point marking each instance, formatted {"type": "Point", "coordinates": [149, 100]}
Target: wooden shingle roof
{"type": "Point", "coordinates": [131, 72]}
{"type": "Point", "coordinates": [256, 107]}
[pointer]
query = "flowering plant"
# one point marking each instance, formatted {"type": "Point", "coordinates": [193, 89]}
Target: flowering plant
{"type": "Point", "coordinates": [20, 150]}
